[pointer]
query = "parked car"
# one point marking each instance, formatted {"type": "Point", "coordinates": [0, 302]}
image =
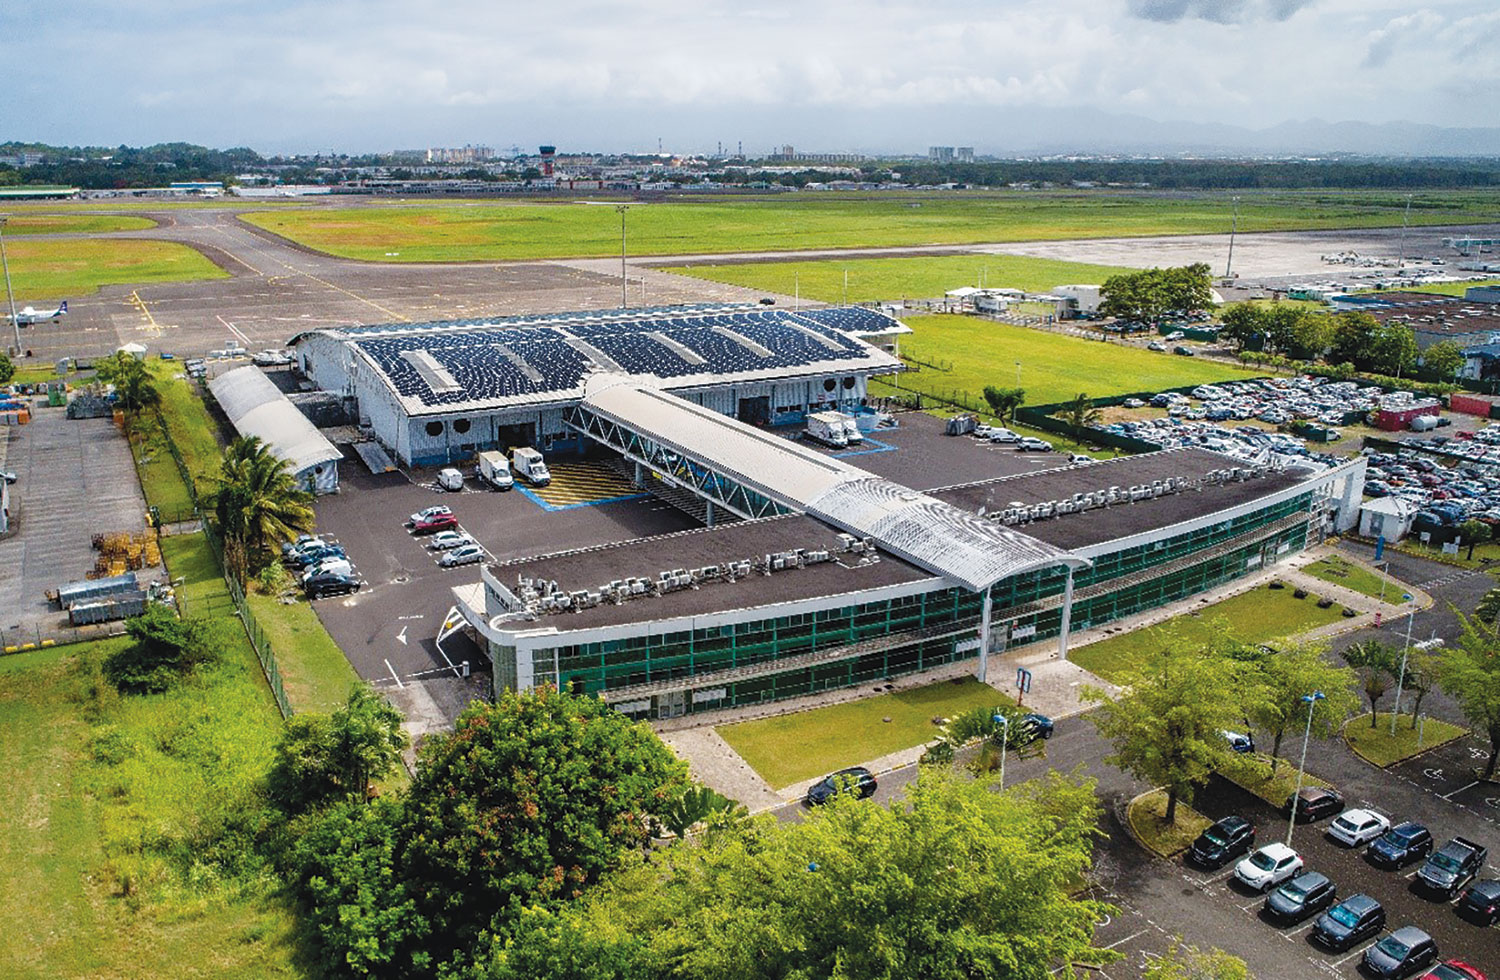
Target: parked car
{"type": "Point", "coordinates": [1182, 351]}
{"type": "Point", "coordinates": [1156, 345]}
{"type": "Point", "coordinates": [1480, 902]}
{"type": "Point", "coordinates": [311, 556]}
{"type": "Point", "coordinates": [465, 554]}
{"type": "Point", "coordinates": [1349, 923]}
{"type": "Point", "coordinates": [287, 547]}
{"type": "Point", "coordinates": [1225, 840]}
{"type": "Point", "coordinates": [1176, 335]}
{"type": "Point", "coordinates": [434, 524]}
{"type": "Point", "coordinates": [1358, 826]}
{"type": "Point", "coordinates": [331, 565]}
{"type": "Point", "coordinates": [429, 512]}
{"type": "Point", "coordinates": [329, 584]}
{"type": "Point", "coordinates": [1314, 803]}
{"type": "Point", "coordinates": [443, 540]}
{"type": "Point", "coordinates": [450, 479]}
{"type": "Point", "coordinates": [1307, 894]}
{"type": "Point", "coordinates": [1455, 865]}
{"type": "Point", "coordinates": [1402, 953]}
{"type": "Point", "coordinates": [856, 779]}
{"type": "Point", "coordinates": [1029, 444]}
{"type": "Point", "coordinates": [1076, 459]}
{"type": "Point", "coordinates": [1134, 403]}
{"type": "Point", "coordinates": [1004, 436]}
{"type": "Point", "coordinates": [1029, 728]}
{"type": "Point", "coordinates": [1401, 845]}
{"type": "Point", "coordinates": [1453, 970]}
{"type": "Point", "coordinates": [1268, 867]}
{"type": "Point", "coordinates": [1240, 742]}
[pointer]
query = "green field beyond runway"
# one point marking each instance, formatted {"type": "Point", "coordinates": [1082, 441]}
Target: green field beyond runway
{"type": "Point", "coordinates": [76, 223]}
{"type": "Point", "coordinates": [475, 231]}
{"type": "Point", "coordinates": [53, 269]}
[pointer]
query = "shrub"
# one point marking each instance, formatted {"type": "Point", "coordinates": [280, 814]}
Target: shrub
{"type": "Point", "coordinates": [165, 650]}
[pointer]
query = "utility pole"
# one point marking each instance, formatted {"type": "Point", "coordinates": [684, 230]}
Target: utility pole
{"type": "Point", "coordinates": [622, 208]}
{"type": "Point", "coordinates": [1405, 220]}
{"type": "Point", "coordinates": [1234, 226]}
{"type": "Point", "coordinates": [15, 321]}
{"type": "Point", "coordinates": [1311, 700]}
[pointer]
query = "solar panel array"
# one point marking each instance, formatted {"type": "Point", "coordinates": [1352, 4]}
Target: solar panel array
{"type": "Point", "coordinates": [507, 359]}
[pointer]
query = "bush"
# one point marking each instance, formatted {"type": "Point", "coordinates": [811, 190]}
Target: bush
{"type": "Point", "coordinates": [1277, 585]}
{"type": "Point", "coordinates": [1299, 593]}
{"type": "Point", "coordinates": [165, 650]}
{"type": "Point", "coordinates": [937, 754]}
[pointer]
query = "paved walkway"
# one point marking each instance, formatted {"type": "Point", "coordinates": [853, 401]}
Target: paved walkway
{"type": "Point", "coordinates": [1056, 684]}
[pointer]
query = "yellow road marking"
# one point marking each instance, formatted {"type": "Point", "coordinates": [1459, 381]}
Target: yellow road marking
{"type": "Point", "coordinates": [152, 328]}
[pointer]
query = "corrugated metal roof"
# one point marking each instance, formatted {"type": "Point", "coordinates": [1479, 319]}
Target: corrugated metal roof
{"type": "Point", "coordinates": [919, 528]}
{"type": "Point", "coordinates": [256, 407]}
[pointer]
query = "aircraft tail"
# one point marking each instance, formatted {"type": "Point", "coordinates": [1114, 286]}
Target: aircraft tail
{"type": "Point", "coordinates": [64, 307]}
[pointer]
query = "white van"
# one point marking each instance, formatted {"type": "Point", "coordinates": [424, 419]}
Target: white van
{"type": "Point", "coordinates": [527, 463]}
{"type": "Point", "coordinates": [450, 479]}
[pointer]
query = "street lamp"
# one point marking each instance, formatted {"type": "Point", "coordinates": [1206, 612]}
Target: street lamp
{"type": "Point", "coordinates": [1234, 226]}
{"type": "Point", "coordinates": [1311, 700]}
{"type": "Point", "coordinates": [1405, 652]}
{"type": "Point", "coordinates": [15, 321]}
{"type": "Point", "coordinates": [622, 208]}
{"type": "Point", "coordinates": [1004, 741]}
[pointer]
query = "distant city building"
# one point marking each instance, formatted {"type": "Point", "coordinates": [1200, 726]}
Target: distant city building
{"type": "Point", "coordinates": [462, 154]}
{"type": "Point", "coordinates": [965, 154]}
{"type": "Point", "coordinates": [29, 159]}
{"type": "Point", "coordinates": [789, 154]}
{"type": "Point", "coordinates": [941, 154]}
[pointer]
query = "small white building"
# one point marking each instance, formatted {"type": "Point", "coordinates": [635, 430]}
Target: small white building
{"type": "Point", "coordinates": [256, 407]}
{"type": "Point", "coordinates": [1387, 517]}
{"type": "Point", "coordinates": [135, 350]}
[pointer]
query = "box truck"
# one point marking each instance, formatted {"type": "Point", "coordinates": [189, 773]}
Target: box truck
{"type": "Point", "coordinates": [527, 463]}
{"type": "Point", "coordinates": [827, 428]}
{"type": "Point", "coordinates": [851, 429]}
{"type": "Point", "coordinates": [494, 469]}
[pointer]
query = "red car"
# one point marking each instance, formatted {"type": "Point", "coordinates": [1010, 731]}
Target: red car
{"type": "Point", "coordinates": [1453, 970]}
{"type": "Point", "coordinates": [434, 524]}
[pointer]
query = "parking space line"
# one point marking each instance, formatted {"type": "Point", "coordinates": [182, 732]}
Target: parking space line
{"type": "Point", "coordinates": [1449, 796]}
{"type": "Point", "coordinates": [1357, 952]}
{"type": "Point", "coordinates": [394, 676]}
{"type": "Point", "coordinates": [1127, 939]}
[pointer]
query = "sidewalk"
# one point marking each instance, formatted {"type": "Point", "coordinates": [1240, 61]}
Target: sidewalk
{"type": "Point", "coordinates": [1056, 684]}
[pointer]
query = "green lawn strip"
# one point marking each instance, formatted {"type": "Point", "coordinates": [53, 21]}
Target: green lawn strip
{"type": "Point", "coordinates": [1342, 571]}
{"type": "Point", "coordinates": [1053, 367]}
{"type": "Point", "coordinates": [314, 671]}
{"type": "Point", "coordinates": [105, 789]}
{"type": "Point", "coordinates": [474, 231]}
{"type": "Point", "coordinates": [193, 429]}
{"type": "Point", "coordinates": [1257, 616]}
{"type": "Point", "coordinates": [159, 476]}
{"type": "Point", "coordinates": [891, 279]}
{"type": "Point", "coordinates": [74, 223]}
{"type": "Point", "coordinates": [1379, 747]}
{"type": "Point", "coordinates": [790, 748]}
{"type": "Point", "coordinates": [1252, 773]}
{"type": "Point", "coordinates": [54, 269]}
{"type": "Point", "coordinates": [1147, 814]}
{"type": "Point", "coordinates": [1447, 288]}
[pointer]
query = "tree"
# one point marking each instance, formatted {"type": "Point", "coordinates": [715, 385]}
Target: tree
{"type": "Point", "coordinates": [1353, 335]}
{"type": "Point", "coordinates": [135, 389]}
{"type": "Point", "coordinates": [7, 369]}
{"type": "Point", "coordinates": [1003, 402]}
{"type": "Point", "coordinates": [1244, 325]}
{"type": "Point", "coordinates": [1167, 725]}
{"type": "Point", "coordinates": [1488, 610]}
{"type": "Point", "coordinates": [257, 503]}
{"type": "Point", "coordinates": [321, 758]}
{"type": "Point", "coordinates": [695, 805]}
{"type": "Point", "coordinates": [1474, 533]}
{"type": "Point", "coordinates": [1189, 963]}
{"type": "Point", "coordinates": [1377, 663]}
{"type": "Point", "coordinates": [1080, 414]}
{"type": "Point", "coordinates": [166, 649]}
{"type": "Point", "coordinates": [1469, 673]}
{"type": "Point", "coordinates": [1311, 335]}
{"type": "Point", "coordinates": [963, 883]}
{"type": "Point", "coordinates": [1443, 359]}
{"type": "Point", "coordinates": [529, 800]}
{"type": "Point", "coordinates": [1285, 675]}
{"type": "Point", "coordinates": [1421, 678]}
{"type": "Point", "coordinates": [1393, 349]}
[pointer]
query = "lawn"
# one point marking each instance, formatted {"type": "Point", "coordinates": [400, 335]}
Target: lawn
{"type": "Point", "coordinates": [470, 231]}
{"type": "Point", "coordinates": [158, 472]}
{"type": "Point", "coordinates": [75, 223]}
{"type": "Point", "coordinates": [54, 269]}
{"type": "Point", "coordinates": [113, 845]}
{"type": "Point", "coordinates": [790, 748]}
{"type": "Point", "coordinates": [1257, 616]}
{"type": "Point", "coordinates": [1053, 367]}
{"type": "Point", "coordinates": [1352, 575]}
{"type": "Point", "coordinates": [1252, 773]}
{"type": "Point", "coordinates": [1447, 288]}
{"type": "Point", "coordinates": [1147, 814]}
{"type": "Point", "coordinates": [870, 280]}
{"type": "Point", "coordinates": [314, 671]}
{"type": "Point", "coordinates": [193, 429]}
{"type": "Point", "coordinates": [1379, 747]}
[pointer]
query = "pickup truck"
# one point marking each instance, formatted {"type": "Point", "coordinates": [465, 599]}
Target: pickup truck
{"type": "Point", "coordinates": [1454, 866]}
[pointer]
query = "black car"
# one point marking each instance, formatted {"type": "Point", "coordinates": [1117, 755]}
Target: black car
{"type": "Point", "coordinates": [1400, 846]}
{"type": "Point", "coordinates": [1223, 842]}
{"type": "Point", "coordinates": [1304, 895]}
{"type": "Point", "coordinates": [1314, 803]}
{"type": "Point", "coordinates": [1348, 923]}
{"type": "Point", "coordinates": [1028, 729]}
{"type": "Point", "coordinates": [330, 583]}
{"type": "Point", "coordinates": [1480, 902]}
{"type": "Point", "coordinates": [1041, 725]}
{"type": "Point", "coordinates": [1403, 952]}
{"type": "Point", "coordinates": [856, 779]}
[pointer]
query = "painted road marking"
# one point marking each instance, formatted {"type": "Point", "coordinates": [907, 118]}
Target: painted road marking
{"type": "Point", "coordinates": [1449, 796]}
{"type": "Point", "coordinates": [394, 677]}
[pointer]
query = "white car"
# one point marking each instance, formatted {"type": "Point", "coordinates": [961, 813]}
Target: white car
{"type": "Point", "coordinates": [328, 566]}
{"type": "Point", "coordinates": [466, 554]}
{"type": "Point", "coordinates": [1032, 444]}
{"type": "Point", "coordinates": [1358, 826]}
{"type": "Point", "coordinates": [1003, 435]}
{"type": "Point", "coordinates": [983, 430]}
{"type": "Point", "coordinates": [429, 513]}
{"type": "Point", "coordinates": [270, 358]}
{"type": "Point", "coordinates": [1134, 403]}
{"type": "Point", "coordinates": [1269, 867]}
{"type": "Point", "coordinates": [444, 540]}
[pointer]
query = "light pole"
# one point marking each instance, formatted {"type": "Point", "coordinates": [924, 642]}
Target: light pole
{"type": "Point", "coordinates": [1405, 652]}
{"type": "Point", "coordinates": [1234, 226]}
{"type": "Point", "coordinates": [622, 208]}
{"type": "Point", "coordinates": [15, 321]}
{"type": "Point", "coordinates": [1004, 741]}
{"type": "Point", "coordinates": [1311, 700]}
{"type": "Point", "coordinates": [1018, 374]}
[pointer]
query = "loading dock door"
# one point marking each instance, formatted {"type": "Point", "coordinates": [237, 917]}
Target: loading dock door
{"type": "Point", "coordinates": [509, 436]}
{"type": "Point", "coordinates": [756, 410]}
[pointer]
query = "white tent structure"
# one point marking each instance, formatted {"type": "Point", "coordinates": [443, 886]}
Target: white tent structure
{"type": "Point", "coordinates": [256, 407]}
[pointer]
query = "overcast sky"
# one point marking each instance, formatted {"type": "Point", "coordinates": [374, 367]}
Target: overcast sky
{"type": "Point", "coordinates": [871, 75]}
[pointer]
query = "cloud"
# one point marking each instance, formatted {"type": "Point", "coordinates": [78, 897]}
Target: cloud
{"type": "Point", "coordinates": [1217, 11]}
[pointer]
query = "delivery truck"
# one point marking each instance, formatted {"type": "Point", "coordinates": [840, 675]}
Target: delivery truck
{"type": "Point", "coordinates": [827, 428]}
{"type": "Point", "coordinates": [494, 469]}
{"type": "Point", "coordinates": [527, 463]}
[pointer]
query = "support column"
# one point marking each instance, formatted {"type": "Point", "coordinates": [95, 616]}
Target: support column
{"type": "Point", "coordinates": [984, 640]}
{"type": "Point", "coordinates": [710, 507]}
{"type": "Point", "coordinates": [1067, 616]}
{"type": "Point", "coordinates": [639, 480]}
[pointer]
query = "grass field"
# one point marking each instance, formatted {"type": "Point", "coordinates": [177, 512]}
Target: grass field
{"type": "Point", "coordinates": [54, 269]}
{"type": "Point", "coordinates": [314, 671]}
{"type": "Point", "coordinates": [870, 280]}
{"type": "Point", "coordinates": [1447, 288]}
{"type": "Point", "coordinates": [1378, 747]}
{"type": "Point", "coordinates": [75, 223]}
{"type": "Point", "coordinates": [460, 231]}
{"type": "Point", "coordinates": [1147, 814]}
{"type": "Point", "coordinates": [1256, 616]}
{"type": "Point", "coordinates": [1054, 367]}
{"type": "Point", "coordinates": [1252, 773]}
{"type": "Point", "coordinates": [1342, 571]}
{"type": "Point", "coordinates": [790, 748]}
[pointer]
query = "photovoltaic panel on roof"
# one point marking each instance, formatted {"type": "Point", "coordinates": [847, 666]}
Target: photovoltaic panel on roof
{"type": "Point", "coordinates": [436, 376]}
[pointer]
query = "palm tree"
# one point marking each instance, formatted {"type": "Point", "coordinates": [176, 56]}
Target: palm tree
{"type": "Point", "coordinates": [135, 389]}
{"type": "Point", "coordinates": [1081, 414]}
{"type": "Point", "coordinates": [257, 504]}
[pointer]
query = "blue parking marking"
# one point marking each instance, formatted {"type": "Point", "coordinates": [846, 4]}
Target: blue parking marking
{"type": "Point", "coordinates": [587, 503]}
{"type": "Point", "coordinates": [882, 447]}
